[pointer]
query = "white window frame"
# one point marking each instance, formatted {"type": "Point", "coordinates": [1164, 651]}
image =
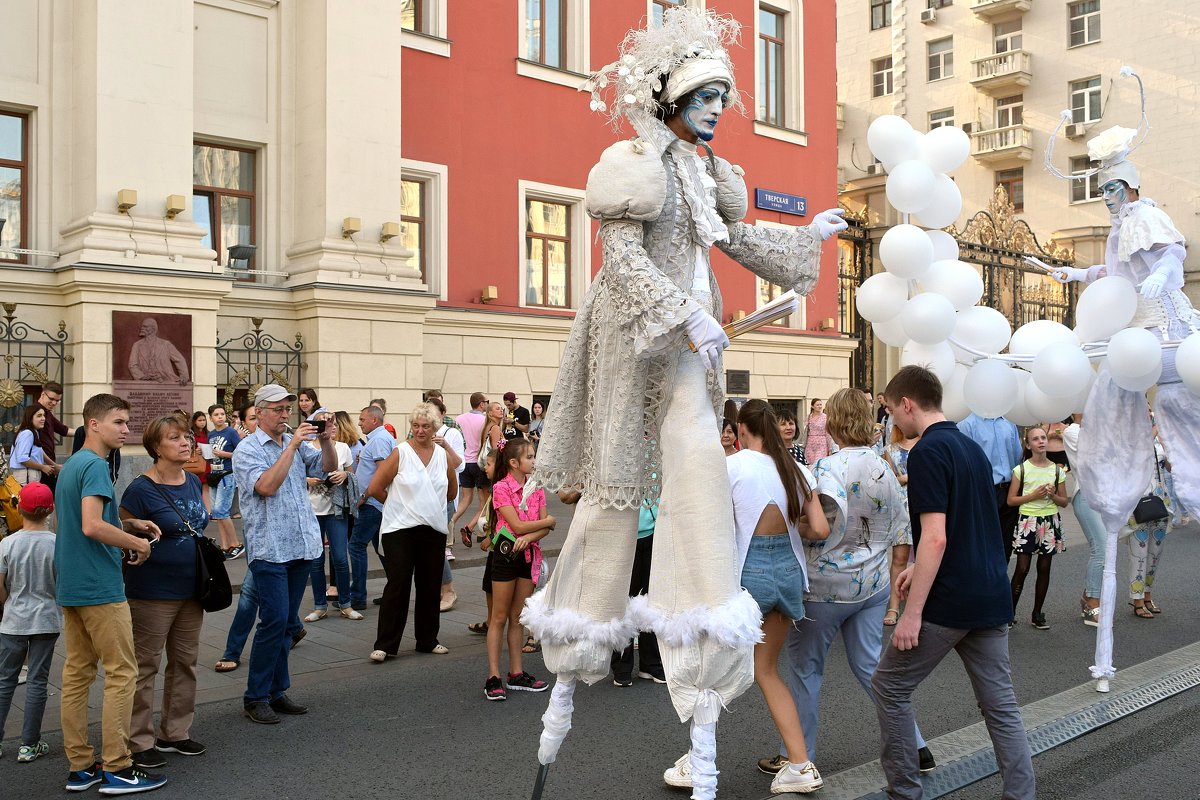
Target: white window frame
{"type": "Point", "coordinates": [581, 249]}
{"type": "Point", "coordinates": [1009, 108]}
{"type": "Point", "coordinates": [794, 321]}
{"type": "Point", "coordinates": [696, 4]}
{"type": "Point", "coordinates": [436, 39]}
{"type": "Point", "coordinates": [792, 130]}
{"type": "Point", "coordinates": [1088, 18]}
{"type": "Point", "coordinates": [578, 44]}
{"type": "Point", "coordinates": [1076, 88]}
{"type": "Point", "coordinates": [1007, 38]}
{"type": "Point", "coordinates": [940, 122]}
{"type": "Point", "coordinates": [943, 57]}
{"type": "Point", "coordinates": [890, 72]}
{"type": "Point", "coordinates": [1092, 193]}
{"type": "Point", "coordinates": [436, 178]}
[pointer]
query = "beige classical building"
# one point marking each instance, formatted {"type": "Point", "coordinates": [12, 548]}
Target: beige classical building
{"type": "Point", "coordinates": [1003, 70]}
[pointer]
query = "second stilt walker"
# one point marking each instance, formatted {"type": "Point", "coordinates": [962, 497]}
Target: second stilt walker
{"type": "Point", "coordinates": [636, 411]}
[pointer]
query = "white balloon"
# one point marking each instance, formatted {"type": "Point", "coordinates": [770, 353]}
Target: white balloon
{"type": "Point", "coordinates": [944, 149]}
{"type": "Point", "coordinates": [928, 318]}
{"type": "Point", "coordinates": [1133, 353]}
{"type": "Point", "coordinates": [957, 282]}
{"type": "Point", "coordinates": [892, 140]}
{"type": "Point", "coordinates": [891, 332]}
{"type": "Point", "coordinates": [906, 251]}
{"type": "Point", "coordinates": [1137, 383]}
{"type": "Point", "coordinates": [937, 358]}
{"type": "Point", "coordinates": [1046, 407]}
{"type": "Point", "coordinates": [1061, 370]}
{"type": "Point", "coordinates": [954, 404]}
{"type": "Point", "coordinates": [944, 206]}
{"type": "Point", "coordinates": [881, 297]}
{"type": "Point", "coordinates": [1187, 362]}
{"type": "Point", "coordinates": [944, 246]}
{"type": "Point", "coordinates": [990, 388]}
{"type": "Point", "coordinates": [1020, 414]}
{"type": "Point", "coordinates": [909, 186]}
{"type": "Point", "coordinates": [1105, 307]}
{"type": "Point", "coordinates": [1032, 337]}
{"type": "Point", "coordinates": [982, 328]}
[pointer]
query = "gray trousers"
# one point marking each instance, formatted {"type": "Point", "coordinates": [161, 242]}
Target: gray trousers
{"type": "Point", "coordinates": [984, 653]}
{"type": "Point", "coordinates": [13, 649]}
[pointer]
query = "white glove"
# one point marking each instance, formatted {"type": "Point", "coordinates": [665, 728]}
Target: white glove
{"type": "Point", "coordinates": [1168, 269]}
{"type": "Point", "coordinates": [732, 200]}
{"type": "Point", "coordinates": [830, 222]}
{"type": "Point", "coordinates": [707, 336]}
{"type": "Point", "coordinates": [1068, 274]}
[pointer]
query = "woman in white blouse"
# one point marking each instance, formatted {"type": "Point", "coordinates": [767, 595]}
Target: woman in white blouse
{"type": "Point", "coordinates": [414, 484]}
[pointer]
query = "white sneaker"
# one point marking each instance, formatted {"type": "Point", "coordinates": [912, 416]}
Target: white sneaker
{"type": "Point", "coordinates": [350, 613]}
{"type": "Point", "coordinates": [798, 778]}
{"type": "Point", "coordinates": [448, 601]}
{"type": "Point", "coordinates": [449, 554]}
{"type": "Point", "coordinates": [680, 775]}
{"type": "Point", "coordinates": [317, 614]}
{"type": "Point", "coordinates": [378, 656]}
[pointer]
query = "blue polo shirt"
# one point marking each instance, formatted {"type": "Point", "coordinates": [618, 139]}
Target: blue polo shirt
{"type": "Point", "coordinates": [379, 446]}
{"type": "Point", "coordinates": [949, 474]}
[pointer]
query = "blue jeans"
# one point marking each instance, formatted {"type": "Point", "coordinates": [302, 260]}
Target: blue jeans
{"type": "Point", "coordinates": [1093, 531]}
{"type": "Point", "coordinates": [243, 620]}
{"type": "Point", "coordinates": [280, 588]}
{"type": "Point", "coordinates": [223, 497]}
{"type": "Point", "coordinates": [773, 576]}
{"type": "Point", "coordinates": [334, 528]}
{"type": "Point", "coordinates": [808, 643]}
{"type": "Point", "coordinates": [40, 647]}
{"type": "Point", "coordinates": [366, 531]}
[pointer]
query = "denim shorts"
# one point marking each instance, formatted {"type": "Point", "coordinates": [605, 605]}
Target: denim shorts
{"type": "Point", "coordinates": [223, 497]}
{"type": "Point", "coordinates": [773, 576]}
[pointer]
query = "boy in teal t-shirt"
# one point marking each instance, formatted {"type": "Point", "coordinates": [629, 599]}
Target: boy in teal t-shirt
{"type": "Point", "coordinates": [91, 590]}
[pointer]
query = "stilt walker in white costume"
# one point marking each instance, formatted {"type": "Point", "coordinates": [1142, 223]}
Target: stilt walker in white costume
{"type": "Point", "coordinates": [1116, 445]}
{"type": "Point", "coordinates": [635, 410]}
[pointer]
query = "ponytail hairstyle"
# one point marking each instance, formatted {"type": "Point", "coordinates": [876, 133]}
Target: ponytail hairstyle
{"type": "Point", "coordinates": [760, 421]}
{"type": "Point", "coordinates": [512, 449]}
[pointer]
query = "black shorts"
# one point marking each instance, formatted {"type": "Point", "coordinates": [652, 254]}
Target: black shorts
{"type": "Point", "coordinates": [509, 568]}
{"type": "Point", "coordinates": [487, 574]}
{"type": "Point", "coordinates": [473, 478]}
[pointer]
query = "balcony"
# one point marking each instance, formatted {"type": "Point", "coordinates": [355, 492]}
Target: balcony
{"type": "Point", "coordinates": [1003, 73]}
{"type": "Point", "coordinates": [988, 10]}
{"type": "Point", "coordinates": [1014, 143]}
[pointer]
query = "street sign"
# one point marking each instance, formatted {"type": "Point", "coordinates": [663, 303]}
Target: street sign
{"type": "Point", "coordinates": [780, 201]}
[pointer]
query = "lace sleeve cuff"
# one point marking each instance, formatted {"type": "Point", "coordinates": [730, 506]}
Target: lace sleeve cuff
{"type": "Point", "coordinates": [789, 258]}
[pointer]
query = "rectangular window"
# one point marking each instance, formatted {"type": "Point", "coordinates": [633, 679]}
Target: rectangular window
{"type": "Point", "coordinates": [414, 222]}
{"type": "Point", "coordinates": [938, 3]}
{"type": "Point", "coordinates": [881, 14]}
{"type": "Point", "coordinates": [14, 180]}
{"type": "Point", "coordinates": [1013, 181]}
{"type": "Point", "coordinates": [547, 253]}
{"type": "Point", "coordinates": [1083, 22]}
{"type": "Point", "coordinates": [1006, 36]}
{"type": "Point", "coordinates": [939, 118]}
{"type": "Point", "coordinates": [546, 32]}
{"type": "Point", "coordinates": [224, 198]}
{"type": "Point", "coordinates": [771, 60]}
{"type": "Point", "coordinates": [881, 77]}
{"type": "Point", "coordinates": [941, 59]}
{"type": "Point", "coordinates": [1085, 100]}
{"type": "Point", "coordinates": [1082, 191]}
{"type": "Point", "coordinates": [411, 18]}
{"type": "Point", "coordinates": [1010, 110]}
{"type": "Point", "coordinates": [659, 7]}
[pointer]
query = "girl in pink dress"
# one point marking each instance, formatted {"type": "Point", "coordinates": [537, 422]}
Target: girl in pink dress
{"type": "Point", "coordinates": [817, 442]}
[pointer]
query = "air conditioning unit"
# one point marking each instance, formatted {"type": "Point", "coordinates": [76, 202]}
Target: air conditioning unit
{"type": "Point", "coordinates": [928, 16]}
{"type": "Point", "coordinates": [875, 169]}
{"type": "Point", "coordinates": [968, 127]}
{"type": "Point", "coordinates": [1074, 130]}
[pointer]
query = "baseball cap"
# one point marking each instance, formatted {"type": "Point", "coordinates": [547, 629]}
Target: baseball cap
{"type": "Point", "coordinates": [272, 393]}
{"type": "Point", "coordinates": [35, 497]}
{"type": "Point", "coordinates": [510, 397]}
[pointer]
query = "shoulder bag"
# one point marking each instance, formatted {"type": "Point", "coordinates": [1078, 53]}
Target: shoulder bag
{"type": "Point", "coordinates": [213, 590]}
{"type": "Point", "coordinates": [1151, 508]}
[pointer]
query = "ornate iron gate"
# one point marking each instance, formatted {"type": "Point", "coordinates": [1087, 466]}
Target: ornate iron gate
{"type": "Point", "coordinates": [855, 254]}
{"type": "Point", "coordinates": [249, 361]}
{"type": "Point", "coordinates": [31, 357]}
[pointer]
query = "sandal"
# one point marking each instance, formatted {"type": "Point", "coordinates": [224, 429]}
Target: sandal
{"type": "Point", "coordinates": [1151, 606]}
{"type": "Point", "coordinates": [225, 665]}
{"type": "Point", "coordinates": [532, 645]}
{"type": "Point", "coordinates": [1142, 611]}
{"type": "Point", "coordinates": [894, 615]}
{"type": "Point", "coordinates": [478, 627]}
{"type": "Point", "coordinates": [465, 534]}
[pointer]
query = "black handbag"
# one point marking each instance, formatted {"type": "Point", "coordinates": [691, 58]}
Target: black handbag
{"type": "Point", "coordinates": [1151, 508]}
{"type": "Point", "coordinates": [214, 592]}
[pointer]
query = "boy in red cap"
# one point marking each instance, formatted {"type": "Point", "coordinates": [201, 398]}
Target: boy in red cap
{"type": "Point", "coordinates": [32, 620]}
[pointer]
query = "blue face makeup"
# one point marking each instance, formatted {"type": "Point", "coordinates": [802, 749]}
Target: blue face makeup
{"type": "Point", "coordinates": [703, 110]}
{"type": "Point", "coordinates": [1115, 195]}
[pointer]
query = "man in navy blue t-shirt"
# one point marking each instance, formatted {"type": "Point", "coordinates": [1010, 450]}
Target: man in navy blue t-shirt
{"type": "Point", "coordinates": [958, 592]}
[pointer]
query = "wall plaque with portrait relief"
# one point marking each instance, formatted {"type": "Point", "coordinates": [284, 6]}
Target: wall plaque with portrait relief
{"type": "Point", "coordinates": [152, 364]}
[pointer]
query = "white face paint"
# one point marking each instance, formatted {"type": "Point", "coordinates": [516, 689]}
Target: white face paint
{"type": "Point", "coordinates": [1116, 195]}
{"type": "Point", "coordinates": [704, 108]}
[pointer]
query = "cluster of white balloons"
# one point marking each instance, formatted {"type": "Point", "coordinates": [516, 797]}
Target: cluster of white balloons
{"type": "Point", "coordinates": [925, 303]}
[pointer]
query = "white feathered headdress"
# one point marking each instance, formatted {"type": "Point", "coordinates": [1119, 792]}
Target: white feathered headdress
{"type": "Point", "coordinates": [1111, 148]}
{"type": "Point", "coordinates": [686, 52]}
